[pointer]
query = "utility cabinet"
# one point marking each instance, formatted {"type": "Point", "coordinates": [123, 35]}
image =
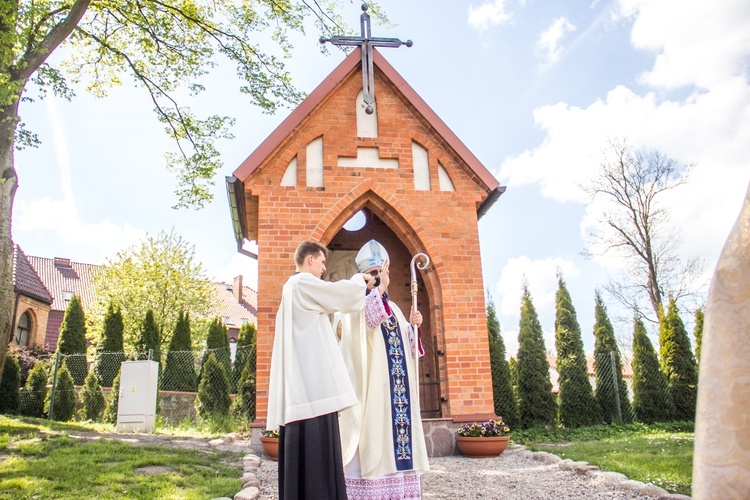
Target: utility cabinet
{"type": "Point", "coordinates": [136, 410]}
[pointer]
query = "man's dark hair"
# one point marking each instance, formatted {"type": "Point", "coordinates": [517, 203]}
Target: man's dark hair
{"type": "Point", "coordinates": [308, 248]}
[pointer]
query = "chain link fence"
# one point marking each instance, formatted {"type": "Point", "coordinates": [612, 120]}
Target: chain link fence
{"type": "Point", "coordinates": [621, 391]}
{"type": "Point", "coordinates": [59, 388]}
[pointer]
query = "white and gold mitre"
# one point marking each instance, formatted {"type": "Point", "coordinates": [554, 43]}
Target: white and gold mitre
{"type": "Point", "coordinates": [372, 254]}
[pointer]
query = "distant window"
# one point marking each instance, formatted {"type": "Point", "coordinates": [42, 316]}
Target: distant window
{"type": "Point", "coordinates": [228, 287]}
{"type": "Point", "coordinates": [228, 320]}
{"type": "Point", "coordinates": [23, 331]}
{"type": "Point", "coordinates": [68, 296]}
{"type": "Point", "coordinates": [245, 321]}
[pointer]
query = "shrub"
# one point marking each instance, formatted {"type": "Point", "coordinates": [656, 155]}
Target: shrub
{"type": "Point", "coordinates": [245, 347]}
{"type": "Point", "coordinates": [92, 399]}
{"type": "Point", "coordinates": [72, 340]}
{"type": "Point", "coordinates": [536, 403]}
{"type": "Point", "coordinates": [577, 404]}
{"type": "Point", "coordinates": [10, 397]}
{"type": "Point", "coordinates": [243, 407]}
{"type": "Point", "coordinates": [148, 338]}
{"type": "Point", "coordinates": [502, 389]}
{"type": "Point", "coordinates": [35, 391]}
{"type": "Point", "coordinates": [651, 399]}
{"type": "Point", "coordinates": [607, 378]}
{"type": "Point", "coordinates": [113, 400]}
{"type": "Point", "coordinates": [678, 364]}
{"type": "Point", "coordinates": [109, 352]}
{"type": "Point", "coordinates": [179, 367]}
{"type": "Point", "coordinates": [217, 343]}
{"type": "Point", "coordinates": [213, 393]}
{"type": "Point", "coordinates": [65, 397]}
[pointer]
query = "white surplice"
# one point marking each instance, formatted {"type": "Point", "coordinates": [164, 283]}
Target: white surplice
{"type": "Point", "coordinates": [308, 374]}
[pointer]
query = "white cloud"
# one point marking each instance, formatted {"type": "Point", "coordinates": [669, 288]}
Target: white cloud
{"type": "Point", "coordinates": [548, 44]}
{"type": "Point", "coordinates": [488, 14]}
{"type": "Point", "coordinates": [60, 218]}
{"type": "Point", "coordinates": [696, 43]}
{"type": "Point", "coordinates": [710, 128]}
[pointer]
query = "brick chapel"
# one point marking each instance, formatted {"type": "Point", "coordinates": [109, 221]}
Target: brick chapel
{"type": "Point", "coordinates": [416, 187]}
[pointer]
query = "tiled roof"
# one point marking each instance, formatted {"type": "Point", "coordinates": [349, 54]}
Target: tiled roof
{"type": "Point", "coordinates": [235, 313]}
{"type": "Point", "coordinates": [63, 275]}
{"type": "Point", "coordinates": [25, 280]}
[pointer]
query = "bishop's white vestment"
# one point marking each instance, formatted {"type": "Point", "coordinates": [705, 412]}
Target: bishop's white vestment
{"type": "Point", "coordinates": [382, 438]}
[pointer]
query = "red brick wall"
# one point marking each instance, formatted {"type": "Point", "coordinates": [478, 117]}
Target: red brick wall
{"type": "Point", "coordinates": [439, 223]}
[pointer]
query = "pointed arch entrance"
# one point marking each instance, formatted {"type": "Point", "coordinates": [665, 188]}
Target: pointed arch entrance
{"type": "Point", "coordinates": [387, 225]}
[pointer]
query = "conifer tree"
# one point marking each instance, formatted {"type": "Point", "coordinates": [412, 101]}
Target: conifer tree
{"type": "Point", "coordinates": [92, 399]}
{"type": "Point", "coordinates": [65, 396]}
{"type": "Point", "coordinates": [217, 343]}
{"type": "Point", "coordinates": [10, 386]}
{"type": "Point", "coordinates": [698, 333]}
{"type": "Point", "coordinates": [243, 406]}
{"type": "Point", "coordinates": [513, 366]}
{"type": "Point", "coordinates": [213, 393]}
{"type": "Point", "coordinates": [577, 404]}
{"type": "Point", "coordinates": [72, 340]}
{"type": "Point", "coordinates": [113, 401]}
{"type": "Point", "coordinates": [179, 367]}
{"type": "Point", "coordinates": [245, 348]}
{"type": "Point", "coordinates": [651, 399]}
{"type": "Point", "coordinates": [109, 351]}
{"type": "Point", "coordinates": [148, 339]}
{"type": "Point", "coordinates": [605, 348]}
{"type": "Point", "coordinates": [537, 406]}
{"type": "Point", "coordinates": [678, 364]}
{"type": "Point", "coordinates": [502, 389]}
{"type": "Point", "coordinates": [35, 391]}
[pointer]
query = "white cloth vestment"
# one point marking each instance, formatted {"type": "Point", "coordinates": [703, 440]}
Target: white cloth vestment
{"type": "Point", "coordinates": [308, 374]}
{"type": "Point", "coordinates": [373, 435]}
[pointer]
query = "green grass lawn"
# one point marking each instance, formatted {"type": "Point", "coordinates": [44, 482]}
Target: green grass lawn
{"type": "Point", "coordinates": [38, 459]}
{"type": "Point", "coordinates": [661, 454]}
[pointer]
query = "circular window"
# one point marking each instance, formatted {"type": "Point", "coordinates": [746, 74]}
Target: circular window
{"type": "Point", "coordinates": [357, 222]}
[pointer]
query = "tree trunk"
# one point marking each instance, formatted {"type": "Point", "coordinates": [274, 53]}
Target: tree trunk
{"type": "Point", "coordinates": [8, 184]}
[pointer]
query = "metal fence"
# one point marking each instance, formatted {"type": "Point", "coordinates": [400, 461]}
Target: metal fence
{"type": "Point", "coordinates": [58, 388]}
{"type": "Point", "coordinates": [639, 393]}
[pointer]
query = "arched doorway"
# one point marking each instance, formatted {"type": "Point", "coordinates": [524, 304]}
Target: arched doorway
{"type": "Point", "coordinates": [344, 245]}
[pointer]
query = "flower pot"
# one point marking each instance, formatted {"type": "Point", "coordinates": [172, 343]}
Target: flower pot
{"type": "Point", "coordinates": [482, 447]}
{"type": "Point", "coordinates": [271, 447]}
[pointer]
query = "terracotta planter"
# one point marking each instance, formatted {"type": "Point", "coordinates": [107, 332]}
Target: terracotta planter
{"type": "Point", "coordinates": [482, 447]}
{"type": "Point", "coordinates": [271, 447]}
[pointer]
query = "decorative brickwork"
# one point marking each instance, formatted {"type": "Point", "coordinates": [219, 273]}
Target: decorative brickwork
{"type": "Point", "coordinates": [440, 223]}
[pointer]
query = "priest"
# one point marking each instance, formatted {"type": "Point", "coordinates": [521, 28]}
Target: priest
{"type": "Point", "coordinates": [309, 382]}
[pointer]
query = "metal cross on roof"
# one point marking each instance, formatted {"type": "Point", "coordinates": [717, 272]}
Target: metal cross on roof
{"type": "Point", "coordinates": [367, 42]}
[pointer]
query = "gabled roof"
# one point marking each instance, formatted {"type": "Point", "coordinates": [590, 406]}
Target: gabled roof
{"type": "Point", "coordinates": [63, 275]}
{"type": "Point", "coordinates": [351, 62]}
{"type": "Point", "coordinates": [228, 308]}
{"type": "Point", "coordinates": [25, 280]}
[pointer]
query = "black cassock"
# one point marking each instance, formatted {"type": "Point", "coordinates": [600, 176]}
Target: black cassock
{"type": "Point", "coordinates": [310, 463]}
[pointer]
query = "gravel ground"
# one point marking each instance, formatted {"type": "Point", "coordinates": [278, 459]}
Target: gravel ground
{"type": "Point", "coordinates": [508, 476]}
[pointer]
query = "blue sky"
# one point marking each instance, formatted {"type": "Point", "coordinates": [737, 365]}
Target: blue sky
{"type": "Point", "coordinates": [533, 88]}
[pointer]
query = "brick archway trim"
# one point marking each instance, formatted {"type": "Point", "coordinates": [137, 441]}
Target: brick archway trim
{"type": "Point", "coordinates": [396, 215]}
